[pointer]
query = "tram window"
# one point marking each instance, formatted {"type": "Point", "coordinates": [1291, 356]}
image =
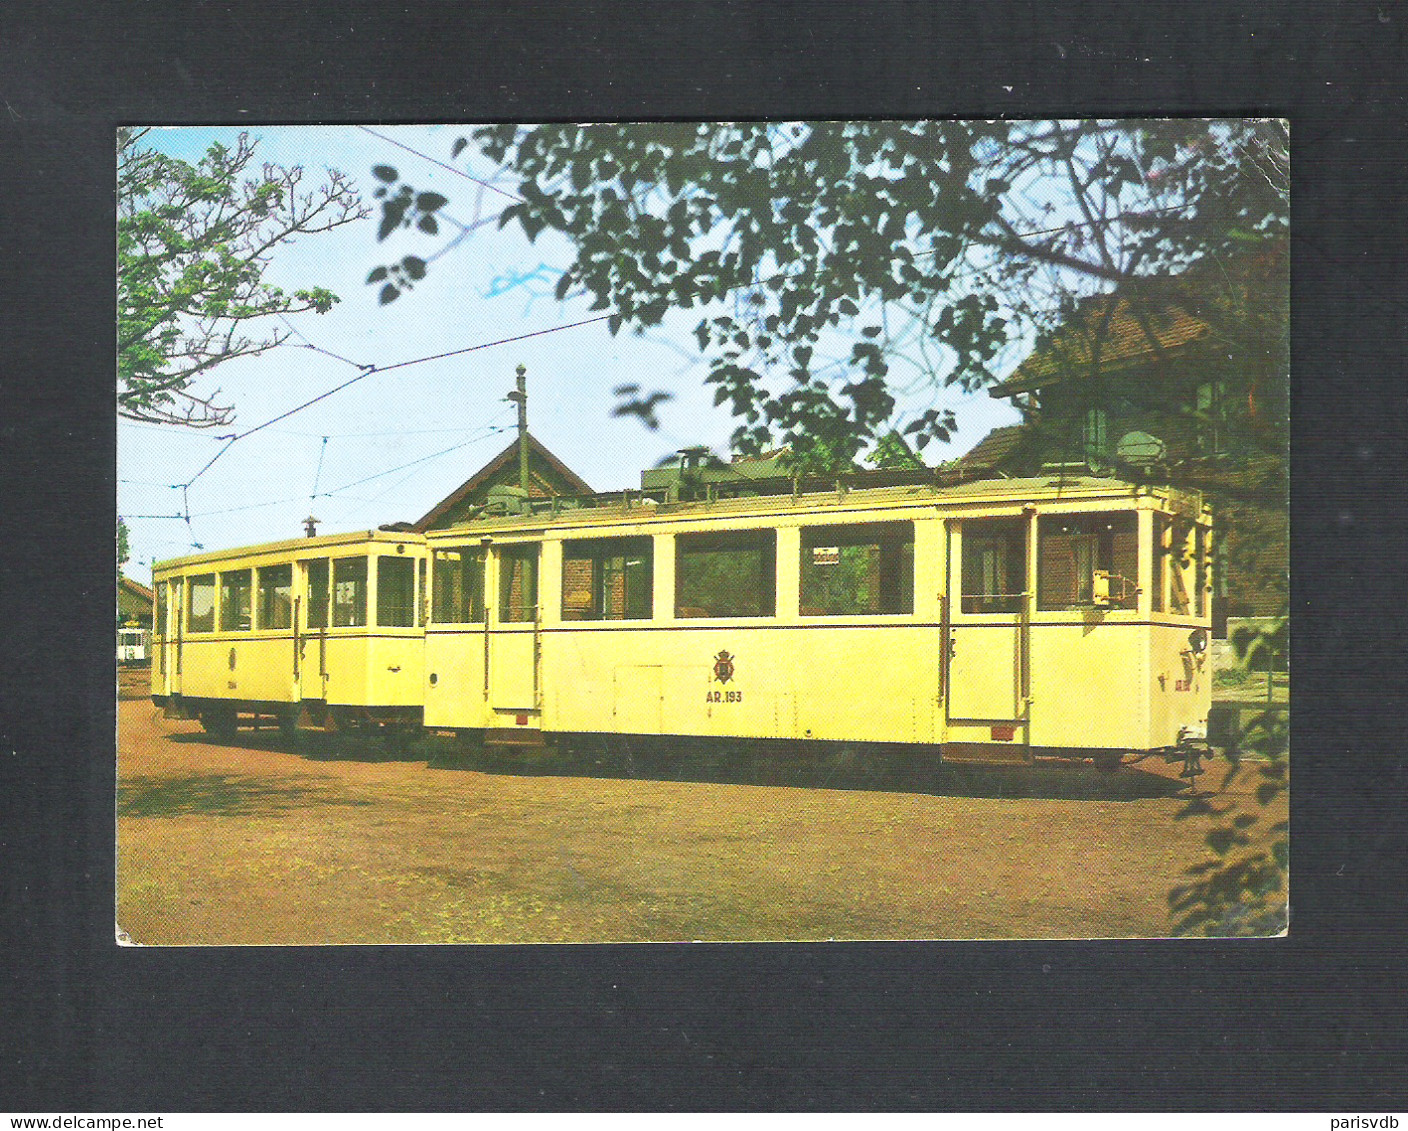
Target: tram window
{"type": "Point", "coordinates": [159, 609]}
{"type": "Point", "coordinates": [1178, 587]}
{"type": "Point", "coordinates": [518, 584]}
{"type": "Point", "coordinates": [1200, 574]}
{"type": "Point", "coordinates": [200, 607]}
{"type": "Point", "coordinates": [423, 597]}
{"type": "Point", "coordinates": [276, 596]}
{"type": "Point", "coordinates": [235, 601]}
{"type": "Point", "coordinates": [395, 591]}
{"type": "Point", "coordinates": [317, 593]}
{"type": "Point", "coordinates": [607, 579]}
{"type": "Point", "coordinates": [1158, 557]}
{"type": "Point", "coordinates": [726, 575]}
{"type": "Point", "coordinates": [1070, 548]}
{"type": "Point", "coordinates": [994, 565]}
{"type": "Point", "coordinates": [862, 569]}
{"type": "Point", "coordinates": [349, 592]}
{"type": "Point", "coordinates": [459, 587]}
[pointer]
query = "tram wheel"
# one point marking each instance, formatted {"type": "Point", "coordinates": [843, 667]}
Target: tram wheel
{"type": "Point", "coordinates": [219, 722]}
{"type": "Point", "coordinates": [1108, 761]}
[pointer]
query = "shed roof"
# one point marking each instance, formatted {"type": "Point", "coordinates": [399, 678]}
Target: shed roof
{"type": "Point", "coordinates": [134, 588]}
{"type": "Point", "coordinates": [993, 448]}
{"type": "Point", "coordinates": [1166, 317]}
{"type": "Point", "coordinates": [485, 476]}
{"type": "Point", "coordinates": [1128, 338]}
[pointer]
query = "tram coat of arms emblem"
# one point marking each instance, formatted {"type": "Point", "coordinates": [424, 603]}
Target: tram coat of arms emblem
{"type": "Point", "coordinates": [723, 667]}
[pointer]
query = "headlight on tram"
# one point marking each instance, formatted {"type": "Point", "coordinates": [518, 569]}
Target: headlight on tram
{"type": "Point", "coordinates": [1193, 732]}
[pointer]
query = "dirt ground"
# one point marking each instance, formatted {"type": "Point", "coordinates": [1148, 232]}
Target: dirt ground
{"type": "Point", "coordinates": [270, 840]}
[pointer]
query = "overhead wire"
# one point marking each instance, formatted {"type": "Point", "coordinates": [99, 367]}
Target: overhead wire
{"type": "Point", "coordinates": [366, 370]}
{"type": "Point", "coordinates": [423, 459]}
{"type": "Point", "coordinates": [442, 164]}
{"type": "Point", "coordinates": [483, 432]}
{"type": "Point", "coordinates": [322, 451]}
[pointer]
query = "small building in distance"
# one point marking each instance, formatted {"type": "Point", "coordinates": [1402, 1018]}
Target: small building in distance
{"type": "Point", "coordinates": [134, 603]}
{"type": "Point", "coordinates": [1183, 379]}
{"type": "Point", "coordinates": [134, 620]}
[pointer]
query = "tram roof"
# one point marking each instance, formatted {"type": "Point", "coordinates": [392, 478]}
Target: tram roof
{"type": "Point", "coordinates": [629, 508]}
{"type": "Point", "coordinates": [291, 547]}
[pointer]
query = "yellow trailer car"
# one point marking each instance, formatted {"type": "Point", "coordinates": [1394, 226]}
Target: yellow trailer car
{"type": "Point", "coordinates": [997, 620]}
{"type": "Point", "coordinates": [328, 631]}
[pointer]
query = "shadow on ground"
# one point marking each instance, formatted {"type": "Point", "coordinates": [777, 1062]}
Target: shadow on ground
{"type": "Point", "coordinates": [222, 795]}
{"type": "Point", "coordinates": [316, 746]}
{"type": "Point", "coordinates": [837, 769]}
{"type": "Point", "coordinates": [828, 768]}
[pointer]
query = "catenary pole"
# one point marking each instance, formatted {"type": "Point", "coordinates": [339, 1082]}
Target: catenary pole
{"type": "Point", "coordinates": [521, 396]}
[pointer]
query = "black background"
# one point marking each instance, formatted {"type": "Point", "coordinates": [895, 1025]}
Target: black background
{"type": "Point", "coordinates": [1309, 1022]}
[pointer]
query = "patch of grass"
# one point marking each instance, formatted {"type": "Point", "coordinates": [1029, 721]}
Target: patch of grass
{"type": "Point", "coordinates": [1231, 677]}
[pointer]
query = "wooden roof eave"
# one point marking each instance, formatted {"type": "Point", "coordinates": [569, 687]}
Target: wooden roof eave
{"type": "Point", "coordinates": [1081, 370]}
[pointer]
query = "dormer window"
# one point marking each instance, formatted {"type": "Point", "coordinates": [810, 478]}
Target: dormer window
{"type": "Point", "coordinates": [1094, 434]}
{"type": "Point", "coordinates": [1209, 409]}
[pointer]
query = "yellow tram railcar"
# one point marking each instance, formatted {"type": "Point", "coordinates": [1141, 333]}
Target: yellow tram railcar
{"type": "Point", "coordinates": [323, 632]}
{"type": "Point", "coordinates": [997, 620]}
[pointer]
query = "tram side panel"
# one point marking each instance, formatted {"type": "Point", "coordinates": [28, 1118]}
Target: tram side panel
{"type": "Point", "coordinates": [1125, 686]}
{"type": "Point", "coordinates": [373, 670]}
{"type": "Point", "coordinates": [241, 628]}
{"type": "Point", "coordinates": [853, 683]}
{"type": "Point", "coordinates": [1178, 681]}
{"type": "Point", "coordinates": [1061, 672]}
{"type": "Point", "coordinates": [258, 670]}
{"type": "Point", "coordinates": [829, 683]}
{"type": "Point", "coordinates": [454, 684]}
{"type": "Point", "coordinates": [1090, 686]}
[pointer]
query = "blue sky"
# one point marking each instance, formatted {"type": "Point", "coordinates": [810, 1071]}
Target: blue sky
{"type": "Point", "coordinates": [436, 422]}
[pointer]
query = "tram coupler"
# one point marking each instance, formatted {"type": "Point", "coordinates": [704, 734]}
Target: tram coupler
{"type": "Point", "coordinates": [1192, 748]}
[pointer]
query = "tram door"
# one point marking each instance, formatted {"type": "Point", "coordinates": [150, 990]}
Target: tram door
{"type": "Point", "coordinates": [513, 641]}
{"type": "Point", "coordinates": [166, 620]}
{"type": "Point", "coordinates": [310, 618]}
{"type": "Point", "coordinates": [987, 631]}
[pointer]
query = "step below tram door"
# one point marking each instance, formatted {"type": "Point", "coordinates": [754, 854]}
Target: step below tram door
{"type": "Point", "coordinates": [987, 635]}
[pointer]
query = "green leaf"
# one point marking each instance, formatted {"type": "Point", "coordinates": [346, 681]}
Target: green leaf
{"type": "Point", "coordinates": [430, 201]}
{"type": "Point", "coordinates": [458, 147]}
{"type": "Point", "coordinates": [388, 294]}
{"type": "Point", "coordinates": [384, 172]}
{"type": "Point", "coordinates": [392, 213]}
{"type": "Point", "coordinates": [194, 239]}
{"type": "Point", "coordinates": [428, 224]}
{"type": "Point", "coordinates": [415, 266]}
{"type": "Point", "coordinates": [377, 275]}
